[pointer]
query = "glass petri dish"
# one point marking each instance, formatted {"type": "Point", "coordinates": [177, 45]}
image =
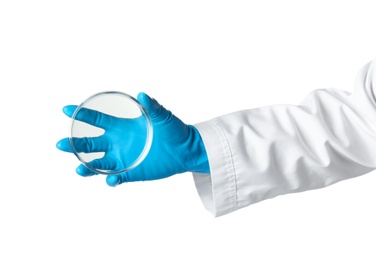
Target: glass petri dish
{"type": "Point", "coordinates": [110, 132]}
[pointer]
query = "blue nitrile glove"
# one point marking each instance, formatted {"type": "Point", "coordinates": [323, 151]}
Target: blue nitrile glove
{"type": "Point", "coordinates": [176, 147]}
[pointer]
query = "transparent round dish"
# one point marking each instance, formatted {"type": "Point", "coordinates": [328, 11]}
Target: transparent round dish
{"type": "Point", "coordinates": [110, 132]}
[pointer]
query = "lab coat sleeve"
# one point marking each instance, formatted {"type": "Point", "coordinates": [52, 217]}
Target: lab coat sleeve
{"type": "Point", "coordinates": [265, 152]}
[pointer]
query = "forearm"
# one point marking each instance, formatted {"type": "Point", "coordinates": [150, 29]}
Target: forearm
{"type": "Point", "coordinates": [275, 150]}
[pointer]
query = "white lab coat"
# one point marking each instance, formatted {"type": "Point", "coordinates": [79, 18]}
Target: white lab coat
{"type": "Point", "coordinates": [261, 153]}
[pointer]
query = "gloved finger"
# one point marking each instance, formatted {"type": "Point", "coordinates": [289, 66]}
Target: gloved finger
{"type": "Point", "coordinates": [89, 116]}
{"type": "Point", "coordinates": [131, 176]}
{"type": "Point", "coordinates": [69, 110]}
{"type": "Point", "coordinates": [84, 172]}
{"type": "Point", "coordinates": [64, 145]}
{"type": "Point", "coordinates": [156, 111]}
{"type": "Point", "coordinates": [104, 163]}
{"type": "Point", "coordinates": [113, 180]}
{"type": "Point", "coordinates": [90, 144]}
{"type": "Point", "coordinates": [118, 179]}
{"type": "Point", "coordinates": [85, 144]}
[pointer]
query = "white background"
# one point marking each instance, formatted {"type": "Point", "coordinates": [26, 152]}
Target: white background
{"type": "Point", "coordinates": [200, 59]}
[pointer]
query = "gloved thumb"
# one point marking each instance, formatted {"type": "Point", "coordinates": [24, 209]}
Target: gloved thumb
{"type": "Point", "coordinates": [156, 111]}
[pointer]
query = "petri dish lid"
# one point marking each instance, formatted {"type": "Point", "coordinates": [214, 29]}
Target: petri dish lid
{"type": "Point", "coordinates": [110, 132]}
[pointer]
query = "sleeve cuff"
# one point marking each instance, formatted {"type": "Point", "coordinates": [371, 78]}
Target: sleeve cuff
{"type": "Point", "coordinates": [217, 190]}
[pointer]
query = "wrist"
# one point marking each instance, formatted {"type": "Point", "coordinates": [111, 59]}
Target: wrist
{"type": "Point", "coordinates": [197, 160]}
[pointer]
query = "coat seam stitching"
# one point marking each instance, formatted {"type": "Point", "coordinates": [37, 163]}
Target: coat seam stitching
{"type": "Point", "coordinates": [231, 173]}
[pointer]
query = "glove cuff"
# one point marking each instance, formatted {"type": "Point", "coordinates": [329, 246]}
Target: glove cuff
{"type": "Point", "coordinates": [198, 159]}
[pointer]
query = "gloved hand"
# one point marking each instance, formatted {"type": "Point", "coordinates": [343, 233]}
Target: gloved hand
{"type": "Point", "coordinates": [176, 147]}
